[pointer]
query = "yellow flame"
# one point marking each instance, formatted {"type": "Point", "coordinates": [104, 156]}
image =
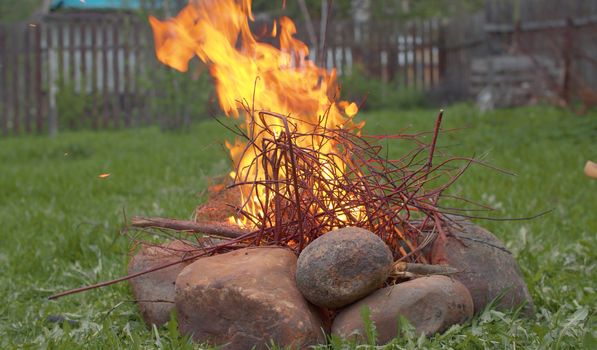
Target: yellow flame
{"type": "Point", "coordinates": [254, 76]}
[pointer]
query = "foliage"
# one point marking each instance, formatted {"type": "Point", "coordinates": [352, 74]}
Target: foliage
{"type": "Point", "coordinates": [72, 106]}
{"type": "Point", "coordinates": [60, 224]}
{"type": "Point", "coordinates": [358, 86]}
{"type": "Point", "coordinates": [178, 98]}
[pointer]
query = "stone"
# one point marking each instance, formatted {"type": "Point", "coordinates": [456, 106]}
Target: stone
{"type": "Point", "coordinates": [343, 266]}
{"type": "Point", "coordinates": [431, 304]}
{"type": "Point", "coordinates": [155, 290]}
{"type": "Point", "coordinates": [487, 268]}
{"type": "Point", "coordinates": [246, 298]}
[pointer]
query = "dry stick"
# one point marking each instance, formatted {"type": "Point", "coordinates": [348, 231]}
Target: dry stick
{"type": "Point", "coordinates": [429, 166]}
{"type": "Point", "coordinates": [160, 267]}
{"type": "Point", "coordinates": [424, 269]}
{"type": "Point", "coordinates": [124, 278]}
{"type": "Point", "coordinates": [438, 122]}
{"type": "Point", "coordinates": [428, 240]}
{"type": "Point", "coordinates": [296, 184]}
{"type": "Point", "coordinates": [209, 228]}
{"type": "Point", "coordinates": [216, 229]}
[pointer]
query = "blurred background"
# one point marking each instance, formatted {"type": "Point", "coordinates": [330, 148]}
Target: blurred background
{"type": "Point", "coordinates": [71, 64]}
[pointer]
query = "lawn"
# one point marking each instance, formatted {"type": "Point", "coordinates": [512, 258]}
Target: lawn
{"type": "Point", "coordinates": [61, 223]}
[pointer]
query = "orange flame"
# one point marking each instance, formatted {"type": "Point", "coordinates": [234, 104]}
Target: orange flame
{"type": "Point", "coordinates": [254, 76]}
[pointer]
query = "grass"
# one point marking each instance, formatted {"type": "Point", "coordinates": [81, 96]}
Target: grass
{"type": "Point", "coordinates": [60, 224]}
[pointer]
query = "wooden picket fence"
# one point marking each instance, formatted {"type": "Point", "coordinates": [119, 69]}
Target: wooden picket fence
{"type": "Point", "coordinates": [94, 57]}
{"type": "Point", "coordinates": [99, 69]}
{"type": "Point", "coordinates": [100, 60]}
{"type": "Point", "coordinates": [407, 54]}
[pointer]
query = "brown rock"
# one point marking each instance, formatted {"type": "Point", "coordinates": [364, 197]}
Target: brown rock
{"type": "Point", "coordinates": [157, 288]}
{"type": "Point", "coordinates": [488, 269]}
{"type": "Point", "coordinates": [342, 266]}
{"type": "Point", "coordinates": [246, 298]}
{"type": "Point", "coordinates": [431, 304]}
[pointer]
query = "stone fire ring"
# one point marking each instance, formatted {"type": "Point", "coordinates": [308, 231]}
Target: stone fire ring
{"type": "Point", "coordinates": [252, 297]}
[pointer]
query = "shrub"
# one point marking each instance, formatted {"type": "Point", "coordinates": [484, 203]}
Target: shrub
{"type": "Point", "coordinates": [358, 86]}
{"type": "Point", "coordinates": [179, 98]}
{"type": "Point", "coordinates": [72, 106]}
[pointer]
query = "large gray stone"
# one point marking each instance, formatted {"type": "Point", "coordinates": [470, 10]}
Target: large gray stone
{"type": "Point", "coordinates": [343, 266]}
{"type": "Point", "coordinates": [488, 270]}
{"type": "Point", "coordinates": [431, 304]}
{"type": "Point", "coordinates": [155, 290]}
{"type": "Point", "coordinates": [246, 298]}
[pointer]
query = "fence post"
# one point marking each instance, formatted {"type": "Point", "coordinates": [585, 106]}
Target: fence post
{"type": "Point", "coordinates": [15, 47]}
{"type": "Point", "coordinates": [54, 74]}
{"type": "Point", "coordinates": [4, 80]}
{"type": "Point", "coordinates": [442, 50]}
{"type": "Point", "coordinates": [38, 79]}
{"type": "Point", "coordinates": [568, 52]}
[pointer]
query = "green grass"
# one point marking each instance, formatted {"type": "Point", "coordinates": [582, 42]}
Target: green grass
{"type": "Point", "coordinates": [60, 223]}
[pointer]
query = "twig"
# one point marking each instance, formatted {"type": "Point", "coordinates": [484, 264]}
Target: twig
{"type": "Point", "coordinates": [424, 269]}
{"type": "Point", "coordinates": [219, 229]}
{"type": "Point", "coordinates": [124, 278]}
{"type": "Point", "coordinates": [438, 123]}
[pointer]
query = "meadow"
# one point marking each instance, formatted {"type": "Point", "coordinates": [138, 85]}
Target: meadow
{"type": "Point", "coordinates": [61, 223]}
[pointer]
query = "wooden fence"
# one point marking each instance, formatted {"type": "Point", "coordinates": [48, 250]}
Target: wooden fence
{"type": "Point", "coordinates": [84, 60]}
{"type": "Point", "coordinates": [407, 54]}
{"type": "Point", "coordinates": [99, 69]}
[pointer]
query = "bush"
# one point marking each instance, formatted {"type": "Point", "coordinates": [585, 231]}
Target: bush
{"type": "Point", "coordinates": [358, 86]}
{"type": "Point", "coordinates": [179, 98]}
{"type": "Point", "coordinates": [72, 106]}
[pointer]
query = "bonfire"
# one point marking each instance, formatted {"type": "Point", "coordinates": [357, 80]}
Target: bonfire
{"type": "Point", "coordinates": [302, 165]}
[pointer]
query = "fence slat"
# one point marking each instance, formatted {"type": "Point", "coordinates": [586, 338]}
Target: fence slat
{"type": "Point", "coordinates": [84, 81]}
{"type": "Point", "coordinates": [4, 112]}
{"type": "Point", "coordinates": [116, 115]}
{"type": "Point", "coordinates": [126, 73]}
{"type": "Point", "coordinates": [105, 90]}
{"type": "Point", "coordinates": [53, 78]}
{"type": "Point", "coordinates": [26, 57]}
{"type": "Point", "coordinates": [137, 93]}
{"type": "Point", "coordinates": [94, 68]}
{"type": "Point", "coordinates": [37, 80]}
{"type": "Point", "coordinates": [415, 63]}
{"type": "Point", "coordinates": [72, 74]}
{"type": "Point", "coordinates": [15, 46]}
{"type": "Point", "coordinates": [61, 49]}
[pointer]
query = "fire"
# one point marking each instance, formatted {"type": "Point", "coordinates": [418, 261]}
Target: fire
{"type": "Point", "coordinates": [253, 76]}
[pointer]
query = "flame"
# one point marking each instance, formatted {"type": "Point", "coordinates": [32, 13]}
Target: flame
{"type": "Point", "coordinates": [254, 76]}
